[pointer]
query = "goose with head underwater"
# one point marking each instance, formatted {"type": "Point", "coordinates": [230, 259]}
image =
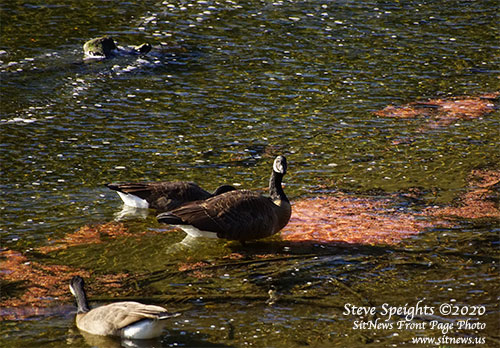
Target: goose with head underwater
{"type": "Point", "coordinates": [129, 319]}
{"type": "Point", "coordinates": [236, 215]}
{"type": "Point", "coordinates": [163, 196]}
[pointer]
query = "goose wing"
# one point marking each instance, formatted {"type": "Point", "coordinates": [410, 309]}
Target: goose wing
{"type": "Point", "coordinates": [237, 215]}
{"type": "Point", "coordinates": [163, 196]}
{"type": "Point", "coordinates": [110, 319]}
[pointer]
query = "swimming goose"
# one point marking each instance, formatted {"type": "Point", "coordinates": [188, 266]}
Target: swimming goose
{"type": "Point", "coordinates": [237, 215]}
{"type": "Point", "coordinates": [126, 319]}
{"type": "Point", "coordinates": [163, 196]}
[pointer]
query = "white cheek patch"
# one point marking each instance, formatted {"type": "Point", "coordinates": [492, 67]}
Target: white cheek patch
{"type": "Point", "coordinates": [277, 167]}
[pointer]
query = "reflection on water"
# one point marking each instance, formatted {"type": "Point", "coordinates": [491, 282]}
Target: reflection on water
{"type": "Point", "coordinates": [189, 245]}
{"type": "Point", "coordinates": [115, 342]}
{"type": "Point", "coordinates": [101, 341]}
{"type": "Point", "coordinates": [129, 212]}
{"type": "Point", "coordinates": [227, 86]}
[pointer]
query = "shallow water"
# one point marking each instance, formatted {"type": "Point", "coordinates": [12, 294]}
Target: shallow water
{"type": "Point", "coordinates": [242, 82]}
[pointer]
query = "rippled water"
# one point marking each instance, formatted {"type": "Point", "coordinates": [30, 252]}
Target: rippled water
{"type": "Point", "coordinates": [228, 85]}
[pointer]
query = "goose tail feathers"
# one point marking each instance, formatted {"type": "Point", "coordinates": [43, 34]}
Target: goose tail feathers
{"type": "Point", "coordinates": [166, 315]}
{"type": "Point", "coordinates": [169, 218]}
{"type": "Point", "coordinates": [112, 186]}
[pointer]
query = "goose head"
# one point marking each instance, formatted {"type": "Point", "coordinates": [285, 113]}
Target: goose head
{"type": "Point", "coordinates": [275, 189]}
{"type": "Point", "coordinates": [279, 165]}
{"type": "Point", "coordinates": [75, 285]}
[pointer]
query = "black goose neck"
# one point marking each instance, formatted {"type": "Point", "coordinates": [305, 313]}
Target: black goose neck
{"type": "Point", "coordinates": [81, 300]}
{"type": "Point", "coordinates": [275, 189]}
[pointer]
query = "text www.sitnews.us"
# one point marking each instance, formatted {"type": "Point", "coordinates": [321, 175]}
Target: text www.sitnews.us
{"type": "Point", "coordinates": [448, 340]}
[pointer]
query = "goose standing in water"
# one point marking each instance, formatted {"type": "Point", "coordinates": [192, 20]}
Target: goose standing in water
{"type": "Point", "coordinates": [126, 319]}
{"type": "Point", "coordinates": [237, 215]}
{"type": "Point", "coordinates": [163, 196]}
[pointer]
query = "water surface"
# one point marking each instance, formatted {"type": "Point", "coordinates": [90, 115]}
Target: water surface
{"type": "Point", "coordinates": [242, 82]}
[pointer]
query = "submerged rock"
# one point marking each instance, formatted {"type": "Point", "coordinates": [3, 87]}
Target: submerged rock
{"type": "Point", "coordinates": [105, 47]}
{"type": "Point", "coordinates": [443, 112]}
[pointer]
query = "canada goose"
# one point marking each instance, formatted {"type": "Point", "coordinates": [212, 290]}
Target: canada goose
{"type": "Point", "coordinates": [101, 47]}
{"type": "Point", "coordinates": [105, 47]}
{"type": "Point", "coordinates": [237, 215]}
{"type": "Point", "coordinates": [126, 319]}
{"type": "Point", "coordinates": [163, 196]}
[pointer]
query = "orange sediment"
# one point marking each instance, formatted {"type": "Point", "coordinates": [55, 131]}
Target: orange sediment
{"type": "Point", "coordinates": [443, 112]}
{"type": "Point", "coordinates": [480, 201]}
{"type": "Point", "coordinates": [88, 234]}
{"type": "Point", "coordinates": [350, 219]}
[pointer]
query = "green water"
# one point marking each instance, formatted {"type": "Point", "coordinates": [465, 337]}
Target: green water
{"type": "Point", "coordinates": [253, 79]}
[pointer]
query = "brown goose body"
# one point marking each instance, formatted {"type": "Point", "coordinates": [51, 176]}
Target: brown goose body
{"type": "Point", "coordinates": [115, 319]}
{"type": "Point", "coordinates": [163, 196]}
{"type": "Point", "coordinates": [126, 319]}
{"type": "Point", "coordinates": [237, 215]}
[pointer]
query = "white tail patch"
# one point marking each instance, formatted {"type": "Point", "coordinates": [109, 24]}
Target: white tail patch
{"type": "Point", "coordinates": [133, 201]}
{"type": "Point", "coordinates": [195, 232]}
{"type": "Point", "coordinates": [144, 329]}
